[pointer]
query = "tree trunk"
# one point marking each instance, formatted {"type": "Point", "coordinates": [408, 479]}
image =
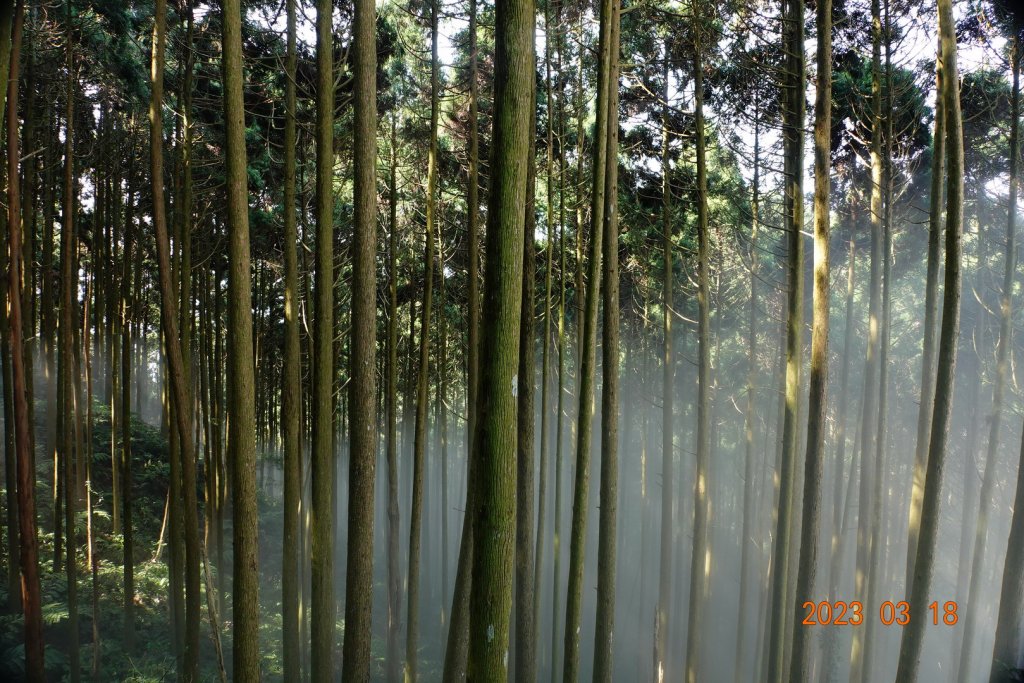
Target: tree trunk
{"type": "Point", "coordinates": [913, 634]}
{"type": "Point", "coordinates": [423, 376]}
{"type": "Point", "coordinates": [699, 566]}
{"type": "Point", "coordinates": [931, 312]}
{"type": "Point", "coordinates": [587, 358]}
{"type": "Point", "coordinates": [322, 553]}
{"type": "Point", "coordinates": [169, 314]}
{"type": "Point", "coordinates": [291, 387]}
{"type": "Point", "coordinates": [363, 382]}
{"type": "Point", "coordinates": [494, 511]}
{"type": "Point", "coordinates": [394, 572]}
{"type": "Point", "coordinates": [525, 628]}
{"type": "Point", "coordinates": [608, 510]}
{"type": "Point", "coordinates": [69, 295]}
{"type": "Point", "coordinates": [782, 612]}
{"type": "Point", "coordinates": [29, 550]}
{"type": "Point", "coordinates": [814, 464]}
{"type": "Point", "coordinates": [667, 394]}
{"type": "Point", "coordinates": [747, 540]}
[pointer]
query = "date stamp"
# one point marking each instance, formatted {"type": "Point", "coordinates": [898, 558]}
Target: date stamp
{"type": "Point", "coordinates": [842, 613]}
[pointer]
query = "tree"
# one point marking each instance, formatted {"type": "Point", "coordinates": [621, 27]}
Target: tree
{"type": "Point", "coordinates": [667, 393]}
{"type": "Point", "coordinates": [814, 460]}
{"type": "Point", "coordinates": [182, 413]}
{"type": "Point", "coordinates": [606, 548]}
{"type": "Point", "coordinates": [793, 123]}
{"type": "Point", "coordinates": [699, 564]}
{"type": "Point", "coordinates": [363, 387]}
{"type": "Point", "coordinates": [29, 554]}
{"type": "Point", "coordinates": [913, 635]}
{"type": "Point", "coordinates": [494, 442]}
{"type": "Point", "coordinates": [587, 357]}
{"type": "Point", "coordinates": [291, 386]}
{"type": "Point", "coordinates": [423, 376]}
{"type": "Point", "coordinates": [241, 405]}
{"type": "Point", "coordinates": [322, 457]}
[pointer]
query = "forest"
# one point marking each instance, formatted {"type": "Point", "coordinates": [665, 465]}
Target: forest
{"type": "Point", "coordinates": [511, 340]}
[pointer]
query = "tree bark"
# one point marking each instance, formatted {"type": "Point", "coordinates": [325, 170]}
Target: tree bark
{"type": "Point", "coordinates": [494, 512]}
{"type": "Point", "coordinates": [291, 386]}
{"type": "Point", "coordinates": [29, 544]}
{"type": "Point", "coordinates": [587, 357]}
{"type": "Point", "coordinates": [814, 463]}
{"type": "Point", "coordinates": [793, 123]}
{"type": "Point", "coordinates": [913, 634]}
{"type": "Point", "coordinates": [322, 553]}
{"type": "Point", "coordinates": [363, 383]}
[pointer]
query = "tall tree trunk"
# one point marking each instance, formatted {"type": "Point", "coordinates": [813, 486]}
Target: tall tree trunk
{"type": "Point", "coordinates": [782, 616]}
{"type": "Point", "coordinates": [587, 358]}
{"type": "Point", "coordinates": [69, 295]}
{"type": "Point", "coordinates": [322, 553]}
{"type": "Point", "coordinates": [913, 634]}
{"type": "Point", "coordinates": [931, 312]}
{"type": "Point", "coordinates": [291, 386]}
{"type": "Point", "coordinates": [525, 628]}
{"type": "Point", "coordinates": [125, 461]}
{"type": "Point", "coordinates": [182, 413]}
{"type": "Point", "coordinates": [606, 546]}
{"type": "Point", "coordinates": [667, 391]}
{"type": "Point", "coordinates": [457, 643]}
{"type": "Point", "coordinates": [241, 408]}
{"type": "Point", "coordinates": [26, 479]}
{"type": "Point", "coordinates": [814, 464]}
{"type": "Point", "coordinates": [394, 572]}
{"type": "Point", "coordinates": [545, 368]}
{"type": "Point", "coordinates": [423, 376]}
{"type": "Point", "coordinates": [494, 442]}
{"type": "Point", "coordinates": [871, 449]}
{"type": "Point", "coordinates": [362, 353]}
{"type": "Point", "coordinates": [748, 544]}
{"type": "Point", "coordinates": [10, 451]}
{"type": "Point", "coordinates": [700, 566]}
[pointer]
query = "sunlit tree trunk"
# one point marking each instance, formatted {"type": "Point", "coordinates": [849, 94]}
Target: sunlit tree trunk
{"type": "Point", "coordinates": [814, 464]}
{"type": "Point", "coordinates": [182, 413]}
{"type": "Point", "coordinates": [793, 125]}
{"type": "Point", "coordinates": [931, 312]}
{"type": "Point", "coordinates": [913, 634]}
{"type": "Point", "coordinates": [870, 449]}
{"type": "Point", "coordinates": [494, 444]}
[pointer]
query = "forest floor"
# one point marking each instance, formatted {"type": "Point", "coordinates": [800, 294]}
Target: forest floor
{"type": "Point", "coordinates": [153, 657]}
